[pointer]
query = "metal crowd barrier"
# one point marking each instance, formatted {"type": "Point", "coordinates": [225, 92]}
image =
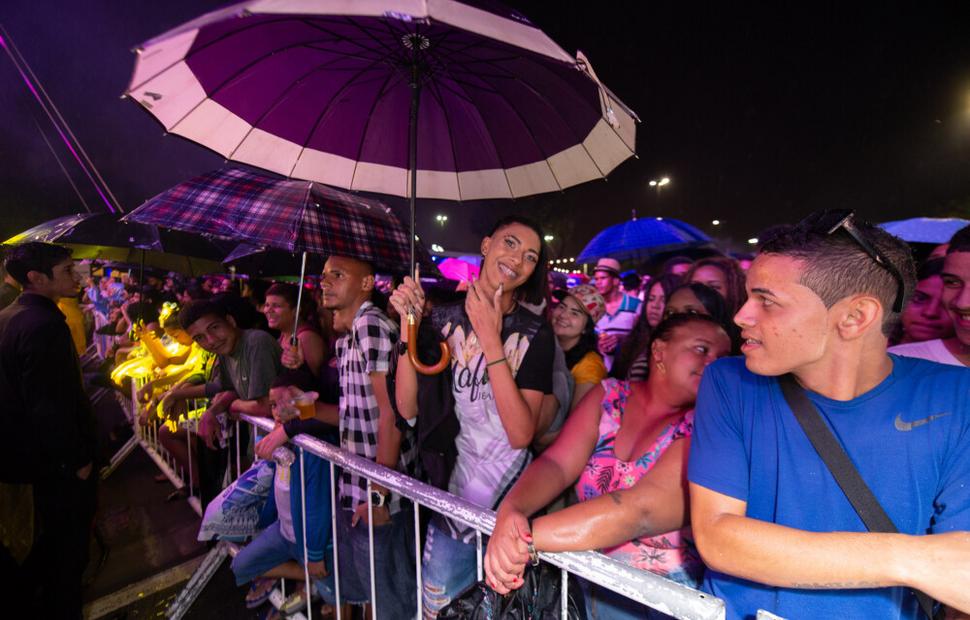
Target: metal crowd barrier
{"type": "Point", "coordinates": [644, 587]}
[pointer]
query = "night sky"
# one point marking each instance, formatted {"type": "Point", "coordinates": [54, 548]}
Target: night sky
{"type": "Point", "coordinates": [757, 115]}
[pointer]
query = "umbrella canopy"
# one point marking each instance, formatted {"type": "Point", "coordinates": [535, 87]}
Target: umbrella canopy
{"type": "Point", "coordinates": [925, 229]}
{"type": "Point", "coordinates": [295, 216]}
{"type": "Point", "coordinates": [91, 229]}
{"type": "Point", "coordinates": [325, 90]}
{"type": "Point", "coordinates": [641, 238]}
{"type": "Point", "coordinates": [455, 269]}
{"type": "Point", "coordinates": [261, 261]}
{"type": "Point", "coordinates": [102, 236]}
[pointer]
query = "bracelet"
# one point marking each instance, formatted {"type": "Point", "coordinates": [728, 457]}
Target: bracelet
{"type": "Point", "coordinates": [498, 361]}
{"type": "Point", "coordinates": [533, 554]}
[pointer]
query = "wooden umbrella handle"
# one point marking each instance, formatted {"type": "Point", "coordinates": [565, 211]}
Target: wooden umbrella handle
{"type": "Point", "coordinates": [413, 351]}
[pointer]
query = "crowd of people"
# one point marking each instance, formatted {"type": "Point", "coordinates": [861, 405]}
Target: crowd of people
{"type": "Point", "coordinates": [594, 416]}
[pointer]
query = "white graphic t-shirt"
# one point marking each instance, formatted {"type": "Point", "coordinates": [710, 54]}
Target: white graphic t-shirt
{"type": "Point", "coordinates": [487, 465]}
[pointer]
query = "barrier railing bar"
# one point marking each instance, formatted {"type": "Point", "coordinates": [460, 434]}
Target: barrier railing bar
{"type": "Point", "coordinates": [371, 553]}
{"type": "Point", "coordinates": [417, 558]}
{"type": "Point", "coordinates": [335, 508]}
{"type": "Point", "coordinates": [479, 572]}
{"type": "Point", "coordinates": [644, 587]}
{"type": "Point", "coordinates": [306, 557]}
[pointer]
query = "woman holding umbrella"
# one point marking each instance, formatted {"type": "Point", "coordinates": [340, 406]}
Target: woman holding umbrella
{"type": "Point", "coordinates": [280, 311]}
{"type": "Point", "coordinates": [502, 359]}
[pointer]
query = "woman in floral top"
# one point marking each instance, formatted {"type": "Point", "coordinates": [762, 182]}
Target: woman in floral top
{"type": "Point", "coordinates": [626, 443]}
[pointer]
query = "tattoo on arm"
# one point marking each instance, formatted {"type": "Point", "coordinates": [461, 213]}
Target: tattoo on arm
{"type": "Point", "coordinates": [615, 496]}
{"type": "Point", "coordinates": [838, 585]}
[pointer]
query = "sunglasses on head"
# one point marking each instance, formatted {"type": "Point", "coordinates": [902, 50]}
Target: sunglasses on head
{"type": "Point", "coordinates": [831, 221]}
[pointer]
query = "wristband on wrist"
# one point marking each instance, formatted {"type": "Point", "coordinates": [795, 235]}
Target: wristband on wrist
{"type": "Point", "coordinates": [533, 554]}
{"type": "Point", "coordinates": [498, 361]}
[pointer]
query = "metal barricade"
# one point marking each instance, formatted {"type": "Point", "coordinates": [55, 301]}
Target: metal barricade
{"type": "Point", "coordinates": [644, 587]}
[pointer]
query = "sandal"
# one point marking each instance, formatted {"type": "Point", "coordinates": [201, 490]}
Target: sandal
{"type": "Point", "coordinates": [259, 592]}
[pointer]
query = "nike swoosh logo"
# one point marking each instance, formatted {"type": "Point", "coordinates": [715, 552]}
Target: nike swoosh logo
{"type": "Point", "coordinates": [904, 426]}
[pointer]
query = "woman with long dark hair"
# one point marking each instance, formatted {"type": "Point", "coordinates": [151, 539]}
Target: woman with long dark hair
{"type": "Point", "coordinates": [631, 361]}
{"type": "Point", "coordinates": [280, 311]}
{"type": "Point", "coordinates": [501, 367]}
{"type": "Point", "coordinates": [724, 275]}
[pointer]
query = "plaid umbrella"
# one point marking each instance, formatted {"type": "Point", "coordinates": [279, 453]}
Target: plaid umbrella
{"type": "Point", "coordinates": [295, 216]}
{"type": "Point", "coordinates": [638, 239]}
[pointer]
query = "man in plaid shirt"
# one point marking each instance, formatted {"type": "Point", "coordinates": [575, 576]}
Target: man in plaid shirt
{"type": "Point", "coordinates": [367, 428]}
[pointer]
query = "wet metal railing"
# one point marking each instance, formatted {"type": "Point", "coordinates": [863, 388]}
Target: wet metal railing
{"type": "Point", "coordinates": [644, 587]}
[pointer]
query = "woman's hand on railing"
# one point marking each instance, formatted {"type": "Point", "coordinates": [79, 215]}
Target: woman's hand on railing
{"type": "Point", "coordinates": [508, 551]}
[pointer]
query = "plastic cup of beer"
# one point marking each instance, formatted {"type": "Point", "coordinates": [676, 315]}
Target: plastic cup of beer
{"type": "Point", "coordinates": [305, 404]}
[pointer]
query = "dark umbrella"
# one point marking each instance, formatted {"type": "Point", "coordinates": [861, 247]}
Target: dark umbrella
{"type": "Point", "coordinates": [262, 261]}
{"type": "Point", "coordinates": [442, 99]}
{"type": "Point", "coordinates": [102, 236]}
{"type": "Point", "coordinates": [476, 99]}
{"type": "Point", "coordinates": [639, 239]}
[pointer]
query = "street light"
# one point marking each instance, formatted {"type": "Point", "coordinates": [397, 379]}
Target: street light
{"type": "Point", "coordinates": [441, 219]}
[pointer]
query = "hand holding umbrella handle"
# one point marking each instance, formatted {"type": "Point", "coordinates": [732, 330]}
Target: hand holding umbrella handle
{"type": "Point", "coordinates": [413, 351]}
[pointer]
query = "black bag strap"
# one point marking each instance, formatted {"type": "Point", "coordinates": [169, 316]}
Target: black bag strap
{"type": "Point", "coordinates": [845, 473]}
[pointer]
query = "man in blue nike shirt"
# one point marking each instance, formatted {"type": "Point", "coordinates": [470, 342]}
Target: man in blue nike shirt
{"type": "Point", "coordinates": [769, 519]}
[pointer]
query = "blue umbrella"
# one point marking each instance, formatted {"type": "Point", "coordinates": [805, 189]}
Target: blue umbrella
{"type": "Point", "coordinates": [641, 238]}
{"type": "Point", "coordinates": [925, 229]}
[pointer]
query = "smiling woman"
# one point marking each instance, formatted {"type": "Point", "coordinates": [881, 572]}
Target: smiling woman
{"type": "Point", "coordinates": [502, 360]}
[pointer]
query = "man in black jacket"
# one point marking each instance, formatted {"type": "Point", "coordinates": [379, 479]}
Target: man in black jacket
{"type": "Point", "coordinates": [49, 422]}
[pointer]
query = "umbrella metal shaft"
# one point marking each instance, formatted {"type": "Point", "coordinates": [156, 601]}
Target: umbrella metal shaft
{"type": "Point", "coordinates": [299, 299]}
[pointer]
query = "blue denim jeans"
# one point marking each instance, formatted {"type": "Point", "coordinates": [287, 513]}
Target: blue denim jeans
{"type": "Point", "coordinates": [448, 567]}
{"type": "Point", "coordinates": [605, 604]}
{"type": "Point", "coordinates": [394, 570]}
{"type": "Point", "coordinates": [268, 550]}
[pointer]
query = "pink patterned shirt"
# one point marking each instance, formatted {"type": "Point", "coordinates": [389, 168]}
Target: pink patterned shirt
{"type": "Point", "coordinates": [672, 553]}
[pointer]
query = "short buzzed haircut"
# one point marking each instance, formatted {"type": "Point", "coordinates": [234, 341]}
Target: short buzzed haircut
{"type": "Point", "coordinates": [195, 310]}
{"type": "Point", "coordinates": [960, 242]}
{"type": "Point", "coordinates": [837, 267]}
{"type": "Point", "coordinates": [34, 256]}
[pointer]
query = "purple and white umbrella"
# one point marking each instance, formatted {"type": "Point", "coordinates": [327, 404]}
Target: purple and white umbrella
{"type": "Point", "coordinates": [322, 90]}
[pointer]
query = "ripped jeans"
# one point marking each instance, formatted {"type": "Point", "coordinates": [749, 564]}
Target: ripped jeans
{"type": "Point", "coordinates": [448, 567]}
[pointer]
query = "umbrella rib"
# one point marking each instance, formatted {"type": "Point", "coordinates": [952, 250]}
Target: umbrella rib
{"type": "Point", "coordinates": [579, 140]}
{"type": "Point", "coordinates": [532, 135]}
{"type": "Point", "coordinates": [451, 135]}
{"type": "Point", "coordinates": [363, 133]}
{"type": "Point", "coordinates": [488, 132]}
{"type": "Point", "coordinates": [329, 106]}
{"type": "Point", "coordinates": [283, 95]}
{"type": "Point", "coordinates": [245, 68]}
